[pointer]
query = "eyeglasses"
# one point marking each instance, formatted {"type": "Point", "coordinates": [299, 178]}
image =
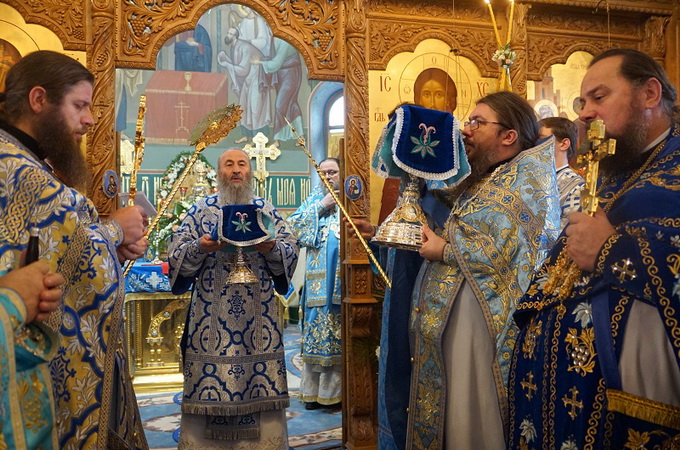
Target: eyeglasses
{"type": "Point", "coordinates": [475, 123]}
{"type": "Point", "coordinates": [329, 173]}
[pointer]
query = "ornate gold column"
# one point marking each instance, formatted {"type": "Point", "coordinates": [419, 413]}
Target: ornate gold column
{"type": "Point", "coordinates": [519, 44]}
{"type": "Point", "coordinates": [101, 151]}
{"type": "Point", "coordinates": [359, 308]}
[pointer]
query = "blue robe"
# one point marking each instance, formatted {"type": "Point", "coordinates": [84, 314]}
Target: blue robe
{"type": "Point", "coordinates": [565, 385]}
{"type": "Point", "coordinates": [26, 398]}
{"type": "Point", "coordinates": [319, 231]}
{"type": "Point", "coordinates": [234, 361]}
{"type": "Point", "coordinates": [498, 231]}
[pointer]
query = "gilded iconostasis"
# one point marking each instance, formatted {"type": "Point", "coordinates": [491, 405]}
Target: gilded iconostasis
{"type": "Point", "coordinates": [299, 61]}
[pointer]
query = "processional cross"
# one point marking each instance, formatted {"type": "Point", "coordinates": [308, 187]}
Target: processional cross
{"type": "Point", "coordinates": [600, 149]}
{"type": "Point", "coordinates": [260, 152]}
{"type": "Point", "coordinates": [565, 273]}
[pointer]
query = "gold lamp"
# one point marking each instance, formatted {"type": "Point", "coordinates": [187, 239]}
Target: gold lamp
{"type": "Point", "coordinates": [403, 227]}
{"type": "Point", "coordinates": [241, 274]}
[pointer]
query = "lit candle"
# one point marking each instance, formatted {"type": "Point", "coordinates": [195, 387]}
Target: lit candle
{"type": "Point", "coordinates": [512, 13]}
{"type": "Point", "coordinates": [493, 21]}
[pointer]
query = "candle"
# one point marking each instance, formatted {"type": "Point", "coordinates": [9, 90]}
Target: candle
{"type": "Point", "coordinates": [512, 13]}
{"type": "Point", "coordinates": [493, 21]}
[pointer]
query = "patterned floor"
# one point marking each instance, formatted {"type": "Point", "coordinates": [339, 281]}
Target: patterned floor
{"type": "Point", "coordinates": [307, 430]}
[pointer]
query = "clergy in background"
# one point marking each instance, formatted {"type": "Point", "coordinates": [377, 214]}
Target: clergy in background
{"type": "Point", "coordinates": [317, 225]}
{"type": "Point", "coordinates": [235, 387]}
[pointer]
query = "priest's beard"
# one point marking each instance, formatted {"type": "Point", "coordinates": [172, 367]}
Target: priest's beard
{"type": "Point", "coordinates": [629, 145]}
{"type": "Point", "coordinates": [236, 193]}
{"type": "Point", "coordinates": [62, 150]}
{"type": "Point", "coordinates": [333, 184]}
{"type": "Point", "coordinates": [479, 167]}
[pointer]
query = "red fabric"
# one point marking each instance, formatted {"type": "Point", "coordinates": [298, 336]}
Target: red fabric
{"type": "Point", "coordinates": [177, 101]}
{"type": "Point", "coordinates": [165, 268]}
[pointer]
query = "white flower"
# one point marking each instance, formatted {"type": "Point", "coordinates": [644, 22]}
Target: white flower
{"type": "Point", "coordinates": [528, 430]}
{"type": "Point", "coordinates": [676, 286]}
{"type": "Point", "coordinates": [504, 57]}
{"type": "Point", "coordinates": [675, 241]}
{"type": "Point", "coordinates": [569, 445]}
{"type": "Point", "coordinates": [584, 314]}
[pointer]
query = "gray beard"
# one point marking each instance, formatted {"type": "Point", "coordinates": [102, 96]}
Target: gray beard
{"type": "Point", "coordinates": [236, 195]}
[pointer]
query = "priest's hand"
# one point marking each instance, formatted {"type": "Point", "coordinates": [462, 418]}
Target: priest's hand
{"type": "Point", "coordinates": [265, 247]}
{"type": "Point", "coordinates": [328, 201]}
{"type": "Point", "coordinates": [133, 221]}
{"type": "Point", "coordinates": [209, 246]}
{"type": "Point", "coordinates": [132, 251]}
{"type": "Point", "coordinates": [365, 228]}
{"type": "Point", "coordinates": [39, 290]}
{"type": "Point", "coordinates": [433, 245]}
{"type": "Point", "coordinates": [585, 237]}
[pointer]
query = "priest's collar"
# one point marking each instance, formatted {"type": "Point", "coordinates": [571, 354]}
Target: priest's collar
{"type": "Point", "coordinates": [26, 140]}
{"type": "Point", "coordinates": [656, 141]}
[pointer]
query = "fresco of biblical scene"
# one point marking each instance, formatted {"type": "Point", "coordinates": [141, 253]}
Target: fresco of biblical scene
{"type": "Point", "coordinates": [230, 57]}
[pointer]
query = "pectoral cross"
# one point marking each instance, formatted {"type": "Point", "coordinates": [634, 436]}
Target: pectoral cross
{"type": "Point", "coordinates": [599, 149]}
{"type": "Point", "coordinates": [261, 153]}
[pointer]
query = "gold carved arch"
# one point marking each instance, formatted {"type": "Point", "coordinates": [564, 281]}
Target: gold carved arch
{"type": "Point", "coordinates": [314, 28]}
{"type": "Point", "coordinates": [560, 52]}
{"type": "Point", "coordinates": [65, 18]}
{"type": "Point", "coordinates": [389, 39]}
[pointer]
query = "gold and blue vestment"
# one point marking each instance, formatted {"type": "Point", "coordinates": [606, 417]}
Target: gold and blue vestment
{"type": "Point", "coordinates": [319, 232]}
{"type": "Point", "coordinates": [565, 385]}
{"type": "Point", "coordinates": [498, 231]}
{"type": "Point", "coordinates": [91, 361]}
{"type": "Point", "coordinates": [234, 361]}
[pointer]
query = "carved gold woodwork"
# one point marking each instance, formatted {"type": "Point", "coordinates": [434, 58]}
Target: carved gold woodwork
{"type": "Point", "coordinates": [66, 18]}
{"type": "Point", "coordinates": [314, 27]}
{"type": "Point", "coordinates": [101, 147]}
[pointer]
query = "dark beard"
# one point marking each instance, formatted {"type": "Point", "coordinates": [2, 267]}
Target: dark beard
{"type": "Point", "coordinates": [629, 146]}
{"type": "Point", "coordinates": [232, 194]}
{"type": "Point", "coordinates": [63, 152]}
{"type": "Point", "coordinates": [479, 169]}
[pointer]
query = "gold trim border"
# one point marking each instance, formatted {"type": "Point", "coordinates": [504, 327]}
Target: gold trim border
{"type": "Point", "coordinates": [644, 409]}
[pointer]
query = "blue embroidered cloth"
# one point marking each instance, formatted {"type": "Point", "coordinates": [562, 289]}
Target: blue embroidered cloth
{"type": "Point", "coordinates": [146, 277]}
{"type": "Point", "coordinates": [423, 142]}
{"type": "Point", "coordinates": [242, 225]}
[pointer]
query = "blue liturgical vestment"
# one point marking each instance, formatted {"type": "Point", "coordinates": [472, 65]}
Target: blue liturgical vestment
{"type": "Point", "coordinates": [565, 387]}
{"type": "Point", "coordinates": [234, 363]}
{"type": "Point", "coordinates": [498, 231]}
{"type": "Point", "coordinates": [319, 231]}
{"type": "Point", "coordinates": [26, 398]}
{"type": "Point", "coordinates": [95, 404]}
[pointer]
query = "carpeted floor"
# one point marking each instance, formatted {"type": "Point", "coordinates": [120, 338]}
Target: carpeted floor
{"type": "Point", "coordinates": [307, 430]}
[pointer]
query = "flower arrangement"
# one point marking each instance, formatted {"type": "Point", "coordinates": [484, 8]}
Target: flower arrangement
{"type": "Point", "coordinates": [173, 216]}
{"type": "Point", "coordinates": [504, 56]}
